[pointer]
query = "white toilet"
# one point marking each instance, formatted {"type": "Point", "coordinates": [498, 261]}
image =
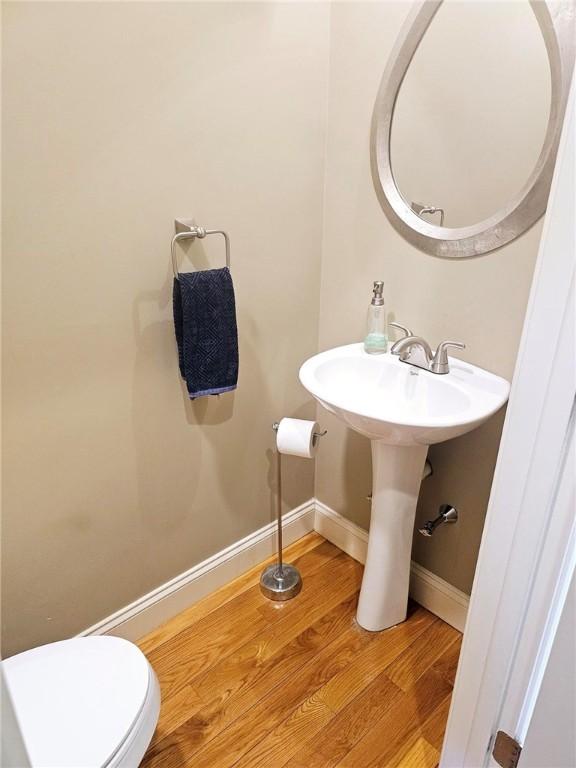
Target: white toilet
{"type": "Point", "coordinates": [88, 702]}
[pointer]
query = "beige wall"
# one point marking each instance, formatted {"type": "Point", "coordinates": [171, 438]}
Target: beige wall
{"type": "Point", "coordinates": [480, 301]}
{"type": "Point", "coordinates": [117, 118]}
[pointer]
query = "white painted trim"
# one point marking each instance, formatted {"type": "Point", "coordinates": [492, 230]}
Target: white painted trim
{"type": "Point", "coordinates": [427, 589]}
{"type": "Point", "coordinates": [149, 611]}
{"type": "Point", "coordinates": [439, 597]}
{"type": "Point", "coordinates": [525, 561]}
{"type": "Point", "coordinates": [166, 601]}
{"type": "Point", "coordinates": [343, 533]}
{"type": "Point", "coordinates": [530, 684]}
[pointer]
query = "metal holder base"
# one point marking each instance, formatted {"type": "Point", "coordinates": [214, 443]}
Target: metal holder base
{"type": "Point", "coordinates": [280, 583]}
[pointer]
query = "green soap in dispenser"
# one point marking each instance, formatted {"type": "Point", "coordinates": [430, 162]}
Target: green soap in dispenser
{"type": "Point", "coordinates": [376, 341]}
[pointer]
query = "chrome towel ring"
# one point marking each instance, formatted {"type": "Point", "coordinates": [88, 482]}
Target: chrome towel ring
{"type": "Point", "coordinates": [186, 230]}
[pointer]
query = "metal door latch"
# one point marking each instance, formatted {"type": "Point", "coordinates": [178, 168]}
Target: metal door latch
{"type": "Point", "coordinates": [506, 750]}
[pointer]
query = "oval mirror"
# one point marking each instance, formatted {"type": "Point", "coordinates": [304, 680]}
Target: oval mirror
{"type": "Point", "coordinates": [461, 168]}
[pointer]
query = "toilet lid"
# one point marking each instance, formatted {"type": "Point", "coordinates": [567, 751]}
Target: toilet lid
{"type": "Point", "coordinates": [77, 700]}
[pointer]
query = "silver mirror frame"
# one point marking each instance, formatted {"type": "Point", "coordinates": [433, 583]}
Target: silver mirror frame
{"type": "Point", "coordinates": [556, 19]}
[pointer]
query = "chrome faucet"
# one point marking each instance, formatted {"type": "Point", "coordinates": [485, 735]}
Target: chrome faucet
{"type": "Point", "coordinates": [416, 351]}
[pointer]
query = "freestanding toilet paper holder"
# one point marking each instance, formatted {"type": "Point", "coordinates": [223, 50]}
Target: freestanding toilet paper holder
{"type": "Point", "coordinates": [281, 581]}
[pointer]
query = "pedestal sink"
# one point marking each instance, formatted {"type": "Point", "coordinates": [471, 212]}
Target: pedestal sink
{"type": "Point", "coordinates": [402, 410]}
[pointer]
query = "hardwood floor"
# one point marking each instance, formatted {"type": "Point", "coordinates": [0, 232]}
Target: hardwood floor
{"type": "Point", "coordinates": [247, 682]}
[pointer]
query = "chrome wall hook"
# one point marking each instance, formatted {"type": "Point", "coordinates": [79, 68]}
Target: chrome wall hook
{"type": "Point", "coordinates": [187, 230]}
{"type": "Point", "coordinates": [419, 209]}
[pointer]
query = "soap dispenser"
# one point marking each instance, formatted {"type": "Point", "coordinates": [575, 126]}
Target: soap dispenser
{"type": "Point", "coordinates": [376, 341]}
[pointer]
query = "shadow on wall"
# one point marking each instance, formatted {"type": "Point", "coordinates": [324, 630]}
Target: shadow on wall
{"type": "Point", "coordinates": [463, 470]}
{"type": "Point", "coordinates": [344, 473]}
{"type": "Point", "coordinates": [187, 467]}
{"type": "Point", "coordinates": [167, 476]}
{"type": "Point", "coordinates": [357, 476]}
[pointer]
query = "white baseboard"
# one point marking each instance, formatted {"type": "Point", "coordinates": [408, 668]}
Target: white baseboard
{"type": "Point", "coordinates": [148, 612]}
{"type": "Point", "coordinates": [343, 533]}
{"type": "Point", "coordinates": [439, 597]}
{"type": "Point", "coordinates": [427, 589]}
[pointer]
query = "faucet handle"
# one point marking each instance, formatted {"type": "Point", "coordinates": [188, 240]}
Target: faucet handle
{"type": "Point", "coordinates": [440, 359]}
{"type": "Point", "coordinates": [405, 331]}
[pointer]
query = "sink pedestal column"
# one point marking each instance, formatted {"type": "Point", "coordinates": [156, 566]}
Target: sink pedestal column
{"type": "Point", "coordinates": [396, 477]}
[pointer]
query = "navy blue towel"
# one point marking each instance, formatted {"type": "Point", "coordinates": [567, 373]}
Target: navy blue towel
{"type": "Point", "coordinates": [206, 332]}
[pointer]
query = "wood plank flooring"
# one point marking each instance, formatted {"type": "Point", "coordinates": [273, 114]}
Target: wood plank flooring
{"type": "Point", "coordinates": [250, 683]}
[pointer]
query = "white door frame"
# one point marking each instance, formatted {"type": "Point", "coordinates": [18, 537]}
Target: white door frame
{"type": "Point", "coordinates": [528, 550]}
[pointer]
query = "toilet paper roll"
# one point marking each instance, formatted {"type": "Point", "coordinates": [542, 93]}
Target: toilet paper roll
{"type": "Point", "coordinates": [295, 437]}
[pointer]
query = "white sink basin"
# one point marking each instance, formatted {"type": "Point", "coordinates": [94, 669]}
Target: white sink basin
{"type": "Point", "coordinates": [403, 410]}
{"type": "Point", "coordinates": [385, 399]}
